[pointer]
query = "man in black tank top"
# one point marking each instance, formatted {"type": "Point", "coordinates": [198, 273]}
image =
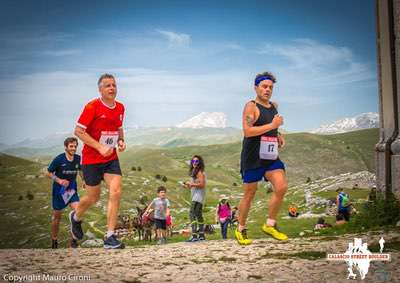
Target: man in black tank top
{"type": "Point", "coordinates": [260, 158]}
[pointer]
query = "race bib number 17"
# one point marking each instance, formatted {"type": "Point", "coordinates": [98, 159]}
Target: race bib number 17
{"type": "Point", "coordinates": [109, 138]}
{"type": "Point", "coordinates": [269, 148]}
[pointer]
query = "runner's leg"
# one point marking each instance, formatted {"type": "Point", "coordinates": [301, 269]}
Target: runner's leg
{"type": "Point", "coordinates": [245, 203]}
{"type": "Point", "coordinates": [55, 223]}
{"type": "Point", "coordinates": [92, 196]}
{"type": "Point", "coordinates": [113, 182]}
{"type": "Point", "coordinates": [280, 185]}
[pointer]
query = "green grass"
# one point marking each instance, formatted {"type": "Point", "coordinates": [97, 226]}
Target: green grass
{"type": "Point", "coordinates": [28, 221]}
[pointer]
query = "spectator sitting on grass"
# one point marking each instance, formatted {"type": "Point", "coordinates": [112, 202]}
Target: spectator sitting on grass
{"type": "Point", "coordinates": [321, 224]}
{"type": "Point", "coordinates": [293, 211]}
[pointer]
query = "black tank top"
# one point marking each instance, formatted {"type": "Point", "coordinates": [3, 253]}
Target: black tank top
{"type": "Point", "coordinates": [250, 156]}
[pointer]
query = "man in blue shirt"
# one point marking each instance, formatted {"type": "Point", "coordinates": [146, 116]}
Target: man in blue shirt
{"type": "Point", "coordinates": [63, 170]}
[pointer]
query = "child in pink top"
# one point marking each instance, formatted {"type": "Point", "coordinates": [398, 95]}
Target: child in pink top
{"type": "Point", "coordinates": [223, 215]}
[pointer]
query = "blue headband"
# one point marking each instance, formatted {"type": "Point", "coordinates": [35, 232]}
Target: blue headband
{"type": "Point", "coordinates": [263, 78]}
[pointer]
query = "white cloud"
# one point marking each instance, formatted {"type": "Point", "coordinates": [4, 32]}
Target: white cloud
{"type": "Point", "coordinates": [152, 97]}
{"type": "Point", "coordinates": [317, 63]}
{"type": "Point", "coordinates": [176, 39]}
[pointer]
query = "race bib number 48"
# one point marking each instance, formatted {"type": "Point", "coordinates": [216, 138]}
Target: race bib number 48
{"type": "Point", "coordinates": [109, 138]}
{"type": "Point", "coordinates": [269, 148]}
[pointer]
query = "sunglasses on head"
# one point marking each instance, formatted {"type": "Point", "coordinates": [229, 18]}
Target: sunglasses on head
{"type": "Point", "coordinates": [195, 161]}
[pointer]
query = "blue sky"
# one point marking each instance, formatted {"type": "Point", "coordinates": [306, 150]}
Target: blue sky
{"type": "Point", "coordinates": [175, 59]}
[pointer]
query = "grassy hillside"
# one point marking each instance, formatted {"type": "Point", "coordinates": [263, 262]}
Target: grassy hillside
{"type": "Point", "coordinates": [27, 221]}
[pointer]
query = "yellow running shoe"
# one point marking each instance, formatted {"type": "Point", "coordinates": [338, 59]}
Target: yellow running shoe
{"type": "Point", "coordinates": [272, 231]}
{"type": "Point", "coordinates": [241, 237]}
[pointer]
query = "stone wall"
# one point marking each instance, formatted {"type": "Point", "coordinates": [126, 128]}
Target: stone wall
{"type": "Point", "coordinates": [388, 52]}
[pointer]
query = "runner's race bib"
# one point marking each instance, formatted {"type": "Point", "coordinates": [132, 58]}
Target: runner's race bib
{"type": "Point", "coordinates": [67, 195]}
{"type": "Point", "coordinates": [109, 138]}
{"type": "Point", "coordinates": [269, 148]}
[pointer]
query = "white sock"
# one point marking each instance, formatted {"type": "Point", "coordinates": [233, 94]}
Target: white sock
{"type": "Point", "coordinates": [109, 233]}
{"type": "Point", "coordinates": [76, 217]}
{"type": "Point", "coordinates": [241, 227]}
{"type": "Point", "coordinates": [271, 222]}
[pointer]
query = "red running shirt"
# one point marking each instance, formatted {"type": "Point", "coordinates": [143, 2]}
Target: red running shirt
{"type": "Point", "coordinates": [102, 123]}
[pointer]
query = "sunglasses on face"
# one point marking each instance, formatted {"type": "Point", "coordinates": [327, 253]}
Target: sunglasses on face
{"type": "Point", "coordinates": [195, 161]}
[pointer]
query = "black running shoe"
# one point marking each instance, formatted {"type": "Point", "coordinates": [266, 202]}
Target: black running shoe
{"type": "Point", "coordinates": [54, 244]}
{"type": "Point", "coordinates": [202, 237]}
{"type": "Point", "coordinates": [74, 244]}
{"type": "Point", "coordinates": [76, 228]}
{"type": "Point", "coordinates": [113, 243]}
{"type": "Point", "coordinates": [192, 239]}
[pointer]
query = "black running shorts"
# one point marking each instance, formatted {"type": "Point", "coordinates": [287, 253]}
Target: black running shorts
{"type": "Point", "coordinates": [94, 173]}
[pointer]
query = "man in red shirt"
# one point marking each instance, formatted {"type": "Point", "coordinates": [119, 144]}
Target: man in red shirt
{"type": "Point", "coordinates": [100, 129]}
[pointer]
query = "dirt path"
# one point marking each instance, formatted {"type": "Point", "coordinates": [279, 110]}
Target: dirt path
{"type": "Point", "coordinates": [298, 260]}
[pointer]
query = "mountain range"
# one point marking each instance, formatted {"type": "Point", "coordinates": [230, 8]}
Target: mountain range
{"type": "Point", "coordinates": [359, 122]}
{"type": "Point", "coordinates": [206, 128]}
{"type": "Point", "coordinates": [205, 120]}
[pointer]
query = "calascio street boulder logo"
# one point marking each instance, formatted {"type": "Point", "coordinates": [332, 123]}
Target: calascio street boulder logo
{"type": "Point", "coordinates": [358, 257]}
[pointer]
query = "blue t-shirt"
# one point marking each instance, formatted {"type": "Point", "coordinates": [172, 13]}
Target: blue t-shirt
{"type": "Point", "coordinates": [65, 169]}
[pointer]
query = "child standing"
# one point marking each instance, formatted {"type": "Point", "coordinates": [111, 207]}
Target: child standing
{"type": "Point", "coordinates": [160, 205]}
{"type": "Point", "coordinates": [223, 215]}
{"type": "Point", "coordinates": [197, 186]}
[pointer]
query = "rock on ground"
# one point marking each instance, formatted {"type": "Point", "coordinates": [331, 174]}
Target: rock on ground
{"type": "Point", "coordinates": [266, 260]}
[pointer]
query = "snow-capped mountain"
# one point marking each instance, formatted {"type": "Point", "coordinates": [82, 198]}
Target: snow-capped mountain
{"type": "Point", "coordinates": [362, 121]}
{"type": "Point", "coordinates": [205, 120]}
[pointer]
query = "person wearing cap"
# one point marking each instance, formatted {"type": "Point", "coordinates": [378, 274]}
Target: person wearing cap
{"type": "Point", "coordinates": [223, 215]}
{"type": "Point", "coordinates": [260, 157]}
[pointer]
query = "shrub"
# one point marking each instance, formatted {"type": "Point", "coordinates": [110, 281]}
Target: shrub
{"type": "Point", "coordinates": [164, 179]}
{"type": "Point", "coordinates": [30, 196]}
{"type": "Point", "coordinates": [139, 168]}
{"type": "Point", "coordinates": [381, 212]}
{"type": "Point", "coordinates": [133, 168]}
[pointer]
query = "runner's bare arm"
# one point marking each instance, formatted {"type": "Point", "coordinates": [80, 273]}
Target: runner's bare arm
{"type": "Point", "coordinates": [62, 182]}
{"type": "Point", "coordinates": [83, 180]}
{"type": "Point", "coordinates": [52, 176]}
{"type": "Point", "coordinates": [281, 140]}
{"type": "Point", "coordinates": [121, 141]}
{"type": "Point", "coordinates": [248, 119]}
{"type": "Point", "coordinates": [88, 140]}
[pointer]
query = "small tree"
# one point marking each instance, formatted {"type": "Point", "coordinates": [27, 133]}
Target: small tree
{"type": "Point", "coordinates": [139, 168]}
{"type": "Point", "coordinates": [29, 195]}
{"type": "Point", "coordinates": [308, 180]}
{"type": "Point", "coordinates": [164, 179]}
{"type": "Point", "coordinates": [20, 198]}
{"type": "Point", "coordinates": [234, 184]}
{"type": "Point", "coordinates": [158, 176]}
{"type": "Point", "coordinates": [133, 168]}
